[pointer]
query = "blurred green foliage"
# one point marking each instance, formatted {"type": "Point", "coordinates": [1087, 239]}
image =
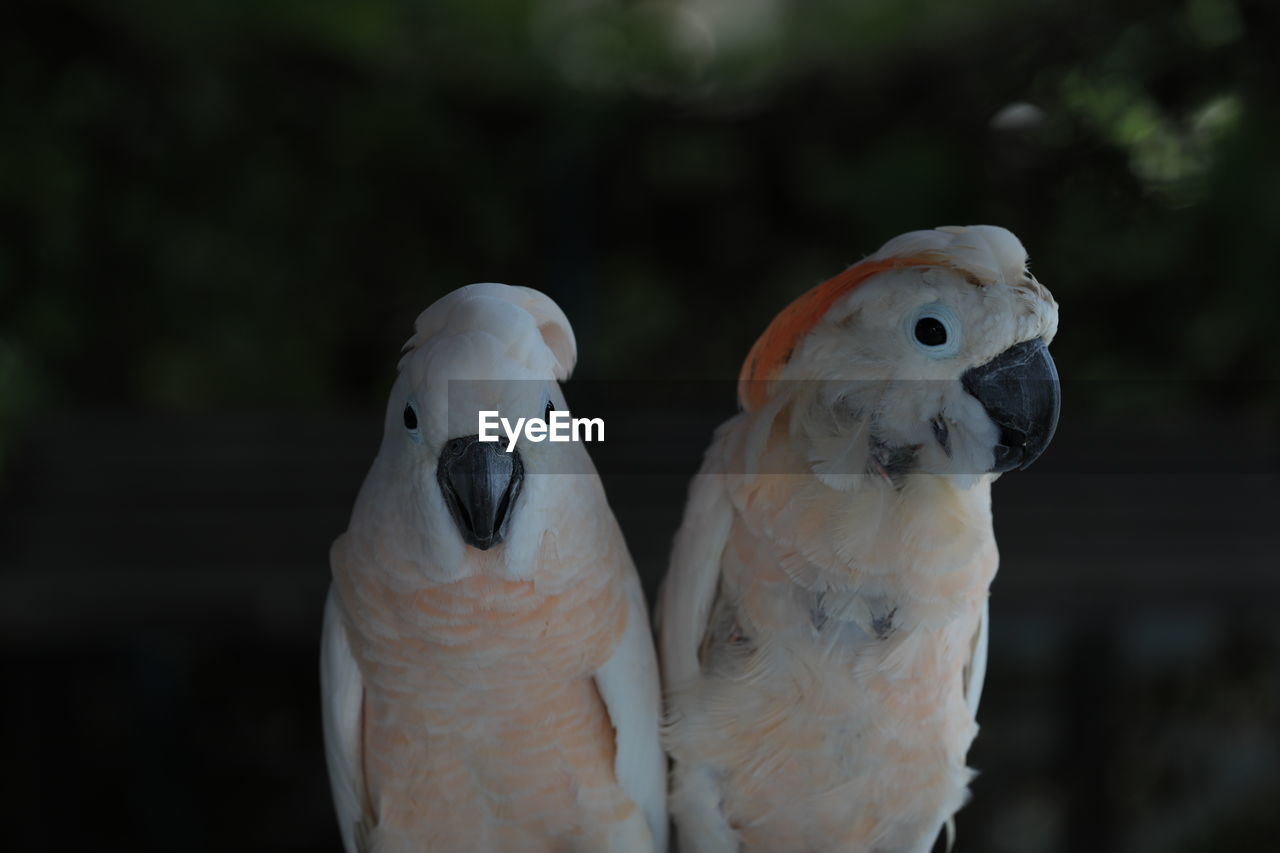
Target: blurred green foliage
{"type": "Point", "coordinates": [224, 203]}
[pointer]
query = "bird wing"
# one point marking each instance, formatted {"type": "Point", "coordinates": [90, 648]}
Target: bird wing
{"type": "Point", "coordinates": [628, 684]}
{"type": "Point", "coordinates": [691, 582]}
{"type": "Point", "coordinates": [342, 706]}
{"type": "Point", "coordinates": [976, 670]}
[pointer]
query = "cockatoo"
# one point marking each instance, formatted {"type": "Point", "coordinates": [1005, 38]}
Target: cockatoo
{"type": "Point", "coordinates": [823, 625]}
{"type": "Point", "coordinates": [488, 675]}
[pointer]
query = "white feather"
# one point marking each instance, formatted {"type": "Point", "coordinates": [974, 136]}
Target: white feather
{"type": "Point", "coordinates": [685, 605]}
{"type": "Point", "coordinates": [628, 684]}
{"type": "Point", "coordinates": [690, 585]}
{"type": "Point", "coordinates": [991, 253]}
{"type": "Point", "coordinates": [342, 699]}
{"type": "Point", "coordinates": [977, 669]}
{"type": "Point", "coordinates": [552, 324]}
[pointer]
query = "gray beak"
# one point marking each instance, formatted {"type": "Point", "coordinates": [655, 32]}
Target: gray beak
{"type": "Point", "coordinates": [480, 482]}
{"type": "Point", "coordinates": [1019, 389]}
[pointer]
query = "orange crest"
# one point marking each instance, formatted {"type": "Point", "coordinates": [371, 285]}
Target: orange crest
{"type": "Point", "coordinates": [773, 349]}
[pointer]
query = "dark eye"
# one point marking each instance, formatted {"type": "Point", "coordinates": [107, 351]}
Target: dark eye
{"type": "Point", "coordinates": [410, 418]}
{"type": "Point", "coordinates": [546, 415]}
{"type": "Point", "coordinates": [931, 332]}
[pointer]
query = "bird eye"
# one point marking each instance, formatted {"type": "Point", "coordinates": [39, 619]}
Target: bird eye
{"type": "Point", "coordinates": [546, 414]}
{"type": "Point", "coordinates": [931, 332]}
{"type": "Point", "coordinates": [935, 329]}
{"type": "Point", "coordinates": [410, 415]}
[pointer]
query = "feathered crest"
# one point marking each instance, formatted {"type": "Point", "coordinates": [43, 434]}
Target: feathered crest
{"type": "Point", "coordinates": [459, 307]}
{"type": "Point", "coordinates": [984, 254]}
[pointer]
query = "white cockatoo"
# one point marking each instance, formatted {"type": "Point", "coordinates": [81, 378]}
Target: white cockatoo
{"type": "Point", "coordinates": [823, 625]}
{"type": "Point", "coordinates": [488, 676]}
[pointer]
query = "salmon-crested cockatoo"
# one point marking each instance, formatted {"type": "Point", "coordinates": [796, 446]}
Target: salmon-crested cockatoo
{"type": "Point", "coordinates": [488, 675]}
{"type": "Point", "coordinates": [823, 625]}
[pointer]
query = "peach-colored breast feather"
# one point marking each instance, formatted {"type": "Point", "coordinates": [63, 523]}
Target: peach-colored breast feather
{"type": "Point", "coordinates": [825, 720]}
{"type": "Point", "coordinates": [823, 621]}
{"type": "Point", "coordinates": [481, 719]}
{"type": "Point", "coordinates": [488, 679]}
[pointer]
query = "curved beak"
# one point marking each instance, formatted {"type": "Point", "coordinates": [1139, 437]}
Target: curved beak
{"type": "Point", "coordinates": [1020, 391]}
{"type": "Point", "coordinates": [480, 482]}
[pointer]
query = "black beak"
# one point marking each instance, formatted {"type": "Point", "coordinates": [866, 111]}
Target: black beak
{"type": "Point", "coordinates": [480, 482]}
{"type": "Point", "coordinates": [1019, 389]}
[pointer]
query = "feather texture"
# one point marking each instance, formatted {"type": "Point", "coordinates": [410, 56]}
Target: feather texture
{"type": "Point", "coordinates": [823, 623]}
{"type": "Point", "coordinates": [342, 691]}
{"type": "Point", "coordinates": [504, 699]}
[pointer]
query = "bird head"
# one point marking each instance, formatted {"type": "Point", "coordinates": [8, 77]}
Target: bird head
{"type": "Point", "coordinates": [483, 347]}
{"type": "Point", "coordinates": [929, 356]}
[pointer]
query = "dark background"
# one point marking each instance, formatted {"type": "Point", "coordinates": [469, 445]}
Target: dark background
{"type": "Point", "coordinates": [218, 219]}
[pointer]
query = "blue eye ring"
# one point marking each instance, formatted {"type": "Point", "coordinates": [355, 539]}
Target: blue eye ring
{"type": "Point", "coordinates": [934, 330]}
